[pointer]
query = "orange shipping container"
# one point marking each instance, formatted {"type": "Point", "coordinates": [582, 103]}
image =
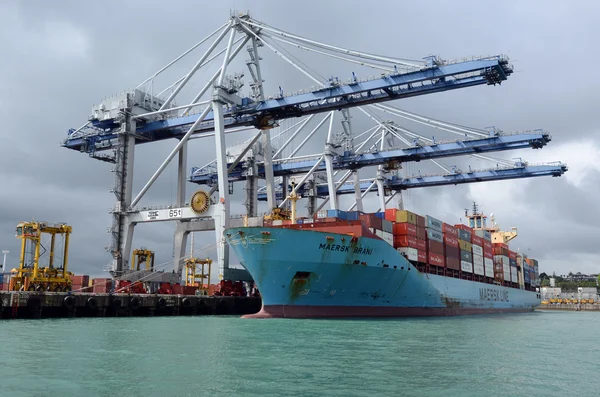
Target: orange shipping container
{"type": "Point", "coordinates": [395, 215]}
{"type": "Point", "coordinates": [405, 229]}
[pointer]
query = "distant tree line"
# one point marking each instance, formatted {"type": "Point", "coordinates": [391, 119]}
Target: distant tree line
{"type": "Point", "coordinates": [565, 285]}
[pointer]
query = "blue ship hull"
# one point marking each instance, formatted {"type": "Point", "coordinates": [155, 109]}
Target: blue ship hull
{"type": "Point", "coordinates": [306, 273]}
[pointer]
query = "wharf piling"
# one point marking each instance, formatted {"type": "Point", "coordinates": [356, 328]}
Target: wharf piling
{"type": "Point", "coordinates": [15, 305]}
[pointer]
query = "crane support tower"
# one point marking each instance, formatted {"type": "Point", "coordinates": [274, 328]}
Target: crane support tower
{"type": "Point", "coordinates": [31, 276]}
{"type": "Point", "coordinates": [198, 274]}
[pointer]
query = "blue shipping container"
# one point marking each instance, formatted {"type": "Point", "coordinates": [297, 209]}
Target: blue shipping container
{"type": "Point", "coordinates": [435, 235]}
{"type": "Point", "coordinates": [336, 214]}
{"type": "Point", "coordinates": [352, 215]}
{"type": "Point", "coordinates": [1, 278]}
{"type": "Point", "coordinates": [464, 235]}
{"type": "Point", "coordinates": [380, 215]}
{"type": "Point", "coordinates": [433, 223]}
{"type": "Point", "coordinates": [513, 263]}
{"type": "Point", "coordinates": [484, 234]}
{"type": "Point", "coordinates": [466, 256]}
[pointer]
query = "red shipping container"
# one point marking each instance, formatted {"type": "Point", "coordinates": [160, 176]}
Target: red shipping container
{"type": "Point", "coordinates": [488, 254]}
{"type": "Point", "coordinates": [453, 263]}
{"type": "Point", "coordinates": [405, 229]}
{"type": "Point", "coordinates": [476, 240]}
{"type": "Point", "coordinates": [102, 285]}
{"type": "Point", "coordinates": [464, 227]}
{"type": "Point", "coordinates": [512, 255]}
{"type": "Point", "coordinates": [390, 214]}
{"type": "Point", "coordinates": [371, 221]}
{"type": "Point", "coordinates": [422, 244]}
{"type": "Point", "coordinates": [487, 245]}
{"type": "Point", "coordinates": [422, 256]}
{"type": "Point", "coordinates": [500, 245]}
{"type": "Point", "coordinates": [420, 221]}
{"type": "Point", "coordinates": [405, 241]}
{"type": "Point", "coordinates": [435, 247]}
{"type": "Point", "coordinates": [451, 241]}
{"type": "Point", "coordinates": [449, 230]}
{"type": "Point", "coordinates": [435, 259]}
{"type": "Point", "coordinates": [421, 233]}
{"type": "Point", "coordinates": [451, 252]}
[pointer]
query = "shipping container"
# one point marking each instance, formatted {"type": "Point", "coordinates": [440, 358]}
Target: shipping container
{"type": "Point", "coordinates": [405, 241]}
{"type": "Point", "coordinates": [371, 221]}
{"type": "Point", "coordinates": [466, 267]}
{"type": "Point", "coordinates": [435, 235]}
{"type": "Point", "coordinates": [476, 240]}
{"type": "Point", "coordinates": [478, 265]}
{"type": "Point", "coordinates": [422, 256]}
{"type": "Point", "coordinates": [435, 246]}
{"type": "Point", "coordinates": [421, 233]}
{"type": "Point", "coordinates": [396, 215]}
{"type": "Point", "coordinates": [421, 245]}
{"type": "Point", "coordinates": [465, 245]}
{"type": "Point", "coordinates": [512, 262]}
{"type": "Point", "coordinates": [466, 256]}
{"type": "Point", "coordinates": [385, 236]}
{"type": "Point", "coordinates": [506, 271]}
{"type": "Point", "coordinates": [435, 259]}
{"type": "Point", "coordinates": [420, 221]}
{"type": "Point", "coordinates": [387, 226]}
{"type": "Point", "coordinates": [321, 214]}
{"type": "Point", "coordinates": [488, 254]}
{"type": "Point", "coordinates": [102, 285]}
{"type": "Point", "coordinates": [453, 263]}
{"type": "Point", "coordinates": [488, 264]}
{"type": "Point", "coordinates": [433, 223]}
{"type": "Point", "coordinates": [484, 234]}
{"type": "Point", "coordinates": [451, 241]}
{"type": "Point", "coordinates": [487, 246]}
{"type": "Point", "coordinates": [451, 252]}
{"type": "Point", "coordinates": [405, 229]}
{"type": "Point", "coordinates": [513, 275]}
{"type": "Point", "coordinates": [449, 230]}
{"type": "Point", "coordinates": [380, 215]}
{"type": "Point", "coordinates": [412, 254]}
{"type": "Point", "coordinates": [464, 235]}
{"type": "Point", "coordinates": [512, 255]}
{"type": "Point", "coordinates": [477, 250]}
{"type": "Point", "coordinates": [466, 229]}
{"type": "Point", "coordinates": [308, 220]}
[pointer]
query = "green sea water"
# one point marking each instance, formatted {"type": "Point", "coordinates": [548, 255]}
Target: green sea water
{"type": "Point", "coordinates": [536, 354]}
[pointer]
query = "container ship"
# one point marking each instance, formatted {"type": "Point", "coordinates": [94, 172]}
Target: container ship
{"type": "Point", "coordinates": [387, 264]}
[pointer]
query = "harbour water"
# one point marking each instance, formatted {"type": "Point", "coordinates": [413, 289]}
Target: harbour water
{"type": "Point", "coordinates": [536, 354]}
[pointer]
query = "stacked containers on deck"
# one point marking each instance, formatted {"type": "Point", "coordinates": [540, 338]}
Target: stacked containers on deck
{"type": "Point", "coordinates": [477, 247]}
{"type": "Point", "coordinates": [520, 270]}
{"type": "Point", "coordinates": [488, 253]}
{"type": "Point", "coordinates": [451, 249]}
{"type": "Point", "coordinates": [526, 270]}
{"type": "Point", "coordinates": [404, 231]}
{"type": "Point", "coordinates": [421, 239]}
{"type": "Point", "coordinates": [512, 260]}
{"type": "Point", "coordinates": [376, 225]}
{"type": "Point", "coordinates": [435, 241]}
{"type": "Point", "coordinates": [466, 251]}
{"type": "Point", "coordinates": [501, 262]}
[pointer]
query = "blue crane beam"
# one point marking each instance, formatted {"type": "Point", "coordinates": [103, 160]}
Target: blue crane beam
{"type": "Point", "coordinates": [398, 184]}
{"type": "Point", "coordinates": [102, 134]}
{"type": "Point", "coordinates": [349, 161]}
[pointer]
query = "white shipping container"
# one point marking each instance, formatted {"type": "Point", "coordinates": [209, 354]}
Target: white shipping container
{"type": "Point", "coordinates": [505, 260]}
{"type": "Point", "coordinates": [513, 274]}
{"type": "Point", "coordinates": [477, 250]}
{"type": "Point", "coordinates": [388, 238]}
{"type": "Point", "coordinates": [308, 220]}
{"type": "Point", "coordinates": [478, 269]}
{"type": "Point", "coordinates": [255, 221]}
{"type": "Point", "coordinates": [277, 222]}
{"type": "Point", "coordinates": [489, 267]}
{"type": "Point", "coordinates": [411, 253]}
{"type": "Point", "coordinates": [378, 233]}
{"type": "Point", "coordinates": [322, 214]}
{"type": "Point", "coordinates": [466, 266]}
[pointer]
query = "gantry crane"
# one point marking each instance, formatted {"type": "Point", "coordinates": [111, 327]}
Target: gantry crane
{"type": "Point", "coordinates": [144, 115]}
{"type": "Point", "coordinates": [142, 256]}
{"type": "Point", "coordinates": [198, 274]}
{"type": "Point", "coordinates": [31, 276]}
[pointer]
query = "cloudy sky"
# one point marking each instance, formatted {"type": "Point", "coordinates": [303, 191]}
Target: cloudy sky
{"type": "Point", "coordinates": [61, 58]}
